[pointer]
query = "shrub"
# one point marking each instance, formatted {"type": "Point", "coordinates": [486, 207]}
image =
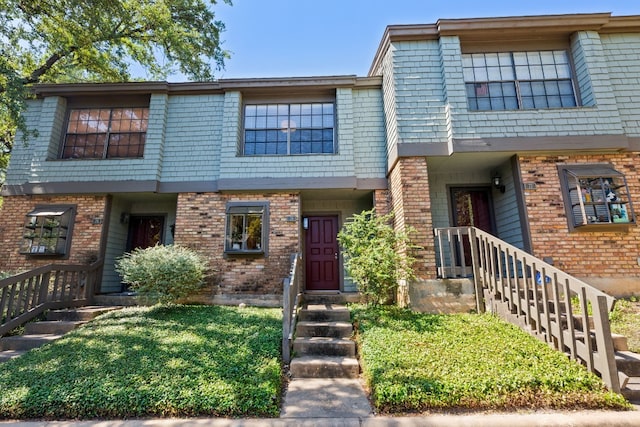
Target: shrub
{"type": "Point", "coordinates": [373, 255]}
{"type": "Point", "coordinates": [167, 272]}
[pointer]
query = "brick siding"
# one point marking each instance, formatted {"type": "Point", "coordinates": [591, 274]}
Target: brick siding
{"type": "Point", "coordinates": [200, 223]}
{"type": "Point", "coordinates": [85, 239]}
{"type": "Point", "coordinates": [410, 200]}
{"type": "Point", "coordinates": [584, 254]}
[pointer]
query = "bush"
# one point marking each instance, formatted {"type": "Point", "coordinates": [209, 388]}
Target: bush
{"type": "Point", "coordinates": [373, 255]}
{"type": "Point", "coordinates": [167, 272]}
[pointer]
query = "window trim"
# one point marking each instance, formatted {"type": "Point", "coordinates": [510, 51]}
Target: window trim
{"type": "Point", "coordinates": [48, 211]}
{"type": "Point", "coordinates": [288, 102]}
{"type": "Point", "coordinates": [75, 106]}
{"type": "Point", "coordinates": [243, 208]}
{"type": "Point", "coordinates": [518, 82]}
{"type": "Point", "coordinates": [566, 172]}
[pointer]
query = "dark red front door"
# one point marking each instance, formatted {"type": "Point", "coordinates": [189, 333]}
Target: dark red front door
{"type": "Point", "coordinates": [471, 207]}
{"type": "Point", "coordinates": [322, 254]}
{"type": "Point", "coordinates": [145, 231]}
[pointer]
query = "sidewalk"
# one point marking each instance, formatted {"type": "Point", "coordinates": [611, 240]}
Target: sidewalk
{"type": "Point", "coordinates": [550, 419]}
{"type": "Point", "coordinates": [343, 403]}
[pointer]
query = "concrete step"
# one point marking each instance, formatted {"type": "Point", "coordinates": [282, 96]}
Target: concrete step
{"type": "Point", "coordinates": [324, 367]}
{"type": "Point", "coordinates": [324, 313]}
{"type": "Point", "coordinates": [335, 298]}
{"type": "Point", "coordinates": [324, 329]}
{"type": "Point", "coordinates": [632, 390]}
{"type": "Point", "coordinates": [628, 363]}
{"type": "Point", "coordinates": [26, 342]}
{"type": "Point", "coordinates": [619, 342]}
{"type": "Point", "coordinates": [51, 326]}
{"type": "Point", "coordinates": [323, 346]}
{"type": "Point", "coordinates": [7, 355]}
{"type": "Point", "coordinates": [80, 313]}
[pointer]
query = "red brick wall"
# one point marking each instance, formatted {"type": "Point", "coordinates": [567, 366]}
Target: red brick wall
{"type": "Point", "coordinates": [584, 254]}
{"type": "Point", "coordinates": [410, 199]}
{"type": "Point", "coordinates": [200, 222]}
{"type": "Point", "coordinates": [85, 240]}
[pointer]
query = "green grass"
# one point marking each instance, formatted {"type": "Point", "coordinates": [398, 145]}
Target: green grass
{"type": "Point", "coordinates": [152, 362]}
{"type": "Point", "coordinates": [419, 363]}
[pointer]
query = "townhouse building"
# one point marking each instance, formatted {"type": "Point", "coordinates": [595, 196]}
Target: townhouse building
{"type": "Point", "coordinates": [525, 127]}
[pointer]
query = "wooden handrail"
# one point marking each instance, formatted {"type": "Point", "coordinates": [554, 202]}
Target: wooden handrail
{"type": "Point", "coordinates": [557, 308]}
{"type": "Point", "coordinates": [292, 298]}
{"type": "Point", "coordinates": [26, 295]}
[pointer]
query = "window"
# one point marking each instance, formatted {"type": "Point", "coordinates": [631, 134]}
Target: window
{"type": "Point", "coordinates": [518, 80]}
{"type": "Point", "coordinates": [245, 231]}
{"type": "Point", "coordinates": [47, 230]}
{"type": "Point", "coordinates": [288, 129]}
{"type": "Point", "coordinates": [99, 133]}
{"type": "Point", "coordinates": [595, 195]}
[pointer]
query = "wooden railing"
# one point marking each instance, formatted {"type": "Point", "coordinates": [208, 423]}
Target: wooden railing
{"type": "Point", "coordinates": [292, 298]}
{"type": "Point", "coordinates": [26, 295]}
{"type": "Point", "coordinates": [559, 309]}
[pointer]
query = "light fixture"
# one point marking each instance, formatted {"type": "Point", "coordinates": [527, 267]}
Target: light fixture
{"type": "Point", "coordinates": [496, 180]}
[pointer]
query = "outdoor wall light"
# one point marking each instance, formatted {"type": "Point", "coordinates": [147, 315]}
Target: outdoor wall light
{"type": "Point", "coordinates": [498, 184]}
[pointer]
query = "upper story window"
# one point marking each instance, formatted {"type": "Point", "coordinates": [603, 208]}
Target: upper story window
{"type": "Point", "coordinates": [518, 80]}
{"type": "Point", "coordinates": [102, 133]}
{"type": "Point", "coordinates": [287, 129]}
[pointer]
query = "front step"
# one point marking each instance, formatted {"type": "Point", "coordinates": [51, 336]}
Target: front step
{"type": "Point", "coordinates": [324, 367]}
{"type": "Point", "coordinates": [80, 313]}
{"type": "Point", "coordinates": [323, 346]}
{"type": "Point", "coordinates": [26, 342]}
{"type": "Point", "coordinates": [58, 327]}
{"type": "Point", "coordinates": [325, 313]}
{"type": "Point", "coordinates": [10, 354]}
{"type": "Point", "coordinates": [58, 323]}
{"type": "Point", "coordinates": [324, 329]}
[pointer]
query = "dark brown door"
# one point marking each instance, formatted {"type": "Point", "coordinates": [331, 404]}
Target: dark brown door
{"type": "Point", "coordinates": [471, 207]}
{"type": "Point", "coordinates": [322, 254]}
{"type": "Point", "coordinates": [145, 231]}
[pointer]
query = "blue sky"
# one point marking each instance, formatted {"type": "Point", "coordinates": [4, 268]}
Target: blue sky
{"type": "Point", "coordinates": [295, 38]}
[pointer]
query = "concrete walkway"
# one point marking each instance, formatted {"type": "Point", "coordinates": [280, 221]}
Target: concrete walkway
{"type": "Point", "coordinates": [547, 419]}
{"type": "Point", "coordinates": [343, 403]}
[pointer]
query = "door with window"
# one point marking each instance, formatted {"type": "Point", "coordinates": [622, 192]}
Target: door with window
{"type": "Point", "coordinates": [471, 207]}
{"type": "Point", "coordinates": [145, 231]}
{"type": "Point", "coordinates": [321, 254]}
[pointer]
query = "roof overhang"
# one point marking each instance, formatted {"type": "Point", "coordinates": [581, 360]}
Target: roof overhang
{"type": "Point", "coordinates": [516, 28]}
{"type": "Point", "coordinates": [254, 86]}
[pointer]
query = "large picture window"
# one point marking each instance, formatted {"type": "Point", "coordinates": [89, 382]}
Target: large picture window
{"type": "Point", "coordinates": [518, 80]}
{"type": "Point", "coordinates": [289, 129]}
{"type": "Point", "coordinates": [100, 133]}
{"type": "Point", "coordinates": [246, 227]}
{"type": "Point", "coordinates": [595, 196]}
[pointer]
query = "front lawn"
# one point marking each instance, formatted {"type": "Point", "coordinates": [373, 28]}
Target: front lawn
{"type": "Point", "coordinates": [162, 361]}
{"type": "Point", "coordinates": [420, 362]}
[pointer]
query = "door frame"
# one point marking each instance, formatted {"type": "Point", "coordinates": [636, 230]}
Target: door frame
{"type": "Point", "coordinates": [303, 239]}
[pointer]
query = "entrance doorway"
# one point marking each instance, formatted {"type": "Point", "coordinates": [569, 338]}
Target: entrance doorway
{"type": "Point", "coordinates": [321, 254]}
{"type": "Point", "coordinates": [471, 207]}
{"type": "Point", "coordinates": [145, 231]}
